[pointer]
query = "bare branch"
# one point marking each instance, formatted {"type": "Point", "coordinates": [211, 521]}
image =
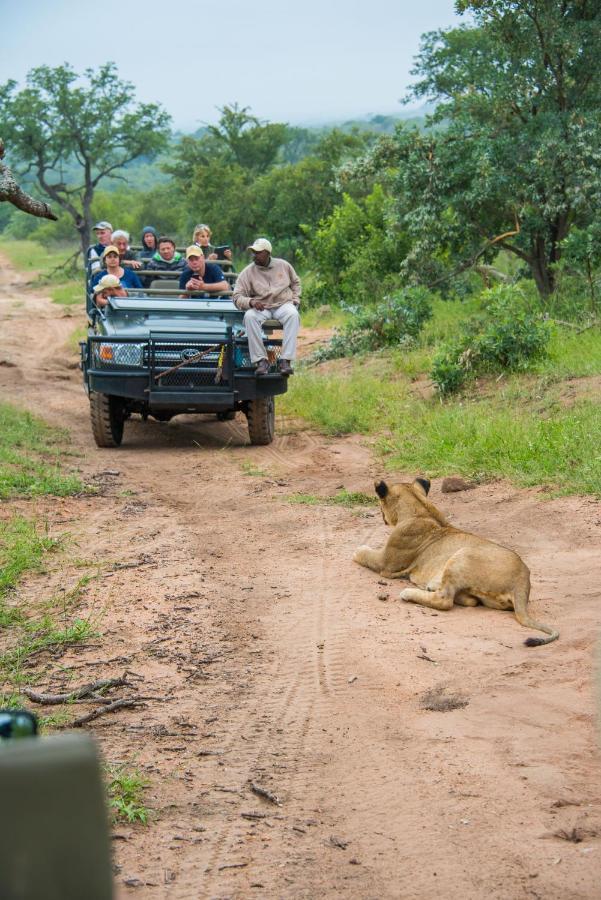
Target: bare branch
{"type": "Point", "coordinates": [12, 193]}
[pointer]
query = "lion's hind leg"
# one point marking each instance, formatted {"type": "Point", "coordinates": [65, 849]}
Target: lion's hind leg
{"type": "Point", "coordinates": [433, 599]}
{"type": "Point", "coordinates": [371, 559]}
{"type": "Point", "coordinates": [442, 589]}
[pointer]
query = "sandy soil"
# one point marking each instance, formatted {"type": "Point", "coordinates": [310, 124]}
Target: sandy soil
{"type": "Point", "coordinates": [274, 660]}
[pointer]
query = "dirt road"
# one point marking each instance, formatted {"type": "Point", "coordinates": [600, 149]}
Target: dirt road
{"type": "Point", "coordinates": [275, 661]}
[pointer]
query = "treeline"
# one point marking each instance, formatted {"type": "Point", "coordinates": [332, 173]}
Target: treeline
{"type": "Point", "coordinates": [502, 185]}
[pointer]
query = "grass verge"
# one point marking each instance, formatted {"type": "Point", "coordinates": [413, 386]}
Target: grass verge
{"type": "Point", "coordinates": [29, 256]}
{"type": "Point", "coordinates": [342, 498]}
{"type": "Point", "coordinates": [69, 293]}
{"type": "Point", "coordinates": [30, 457]}
{"type": "Point", "coordinates": [520, 427]}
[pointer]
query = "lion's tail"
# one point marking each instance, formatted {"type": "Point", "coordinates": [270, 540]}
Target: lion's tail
{"type": "Point", "coordinates": [520, 606]}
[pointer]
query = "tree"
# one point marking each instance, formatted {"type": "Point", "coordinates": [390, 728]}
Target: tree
{"type": "Point", "coordinates": [61, 120]}
{"type": "Point", "coordinates": [518, 163]}
{"type": "Point", "coordinates": [254, 145]}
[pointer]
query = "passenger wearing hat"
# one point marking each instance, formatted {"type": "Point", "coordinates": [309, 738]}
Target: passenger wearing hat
{"type": "Point", "coordinates": [108, 286]}
{"type": "Point", "coordinates": [110, 259]}
{"type": "Point", "coordinates": [269, 288]}
{"type": "Point", "coordinates": [200, 275]}
{"type": "Point", "coordinates": [104, 234]}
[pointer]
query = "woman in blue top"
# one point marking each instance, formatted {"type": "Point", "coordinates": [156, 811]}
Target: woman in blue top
{"type": "Point", "coordinates": [127, 277]}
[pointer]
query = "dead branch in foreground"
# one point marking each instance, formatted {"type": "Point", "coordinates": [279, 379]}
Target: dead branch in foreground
{"type": "Point", "coordinates": [12, 193]}
{"type": "Point", "coordinates": [86, 690]}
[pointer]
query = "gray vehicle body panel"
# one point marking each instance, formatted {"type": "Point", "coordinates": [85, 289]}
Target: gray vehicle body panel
{"type": "Point", "coordinates": [158, 331]}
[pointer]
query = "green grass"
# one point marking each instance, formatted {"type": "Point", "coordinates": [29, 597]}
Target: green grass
{"type": "Point", "coordinates": [78, 334]}
{"type": "Point", "coordinates": [69, 294]}
{"type": "Point", "coordinates": [126, 789]}
{"type": "Point", "coordinates": [29, 256]}
{"type": "Point", "coordinates": [249, 468]}
{"type": "Point", "coordinates": [22, 549]}
{"type": "Point", "coordinates": [323, 317]}
{"type": "Point", "coordinates": [517, 427]}
{"type": "Point", "coordinates": [489, 439]}
{"type": "Point", "coordinates": [342, 498]}
{"type": "Point", "coordinates": [41, 634]}
{"type": "Point", "coordinates": [30, 457]}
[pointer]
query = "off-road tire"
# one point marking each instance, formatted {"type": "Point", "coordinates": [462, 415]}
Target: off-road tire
{"type": "Point", "coordinates": [260, 414]}
{"type": "Point", "coordinates": [226, 415]}
{"type": "Point", "coordinates": [106, 414]}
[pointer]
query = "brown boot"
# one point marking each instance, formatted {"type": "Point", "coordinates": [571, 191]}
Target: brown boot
{"type": "Point", "coordinates": [285, 368]}
{"type": "Point", "coordinates": [262, 367]}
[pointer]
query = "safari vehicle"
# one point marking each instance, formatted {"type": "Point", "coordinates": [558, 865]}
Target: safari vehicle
{"type": "Point", "coordinates": [155, 354]}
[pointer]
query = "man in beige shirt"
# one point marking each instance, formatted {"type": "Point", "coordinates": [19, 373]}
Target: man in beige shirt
{"type": "Point", "coordinates": [269, 288]}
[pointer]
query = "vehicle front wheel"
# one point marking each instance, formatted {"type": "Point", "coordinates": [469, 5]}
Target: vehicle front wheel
{"type": "Point", "coordinates": [107, 415]}
{"type": "Point", "coordinates": [260, 414]}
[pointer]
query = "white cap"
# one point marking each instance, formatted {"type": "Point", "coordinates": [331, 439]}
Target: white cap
{"type": "Point", "coordinates": [107, 281]}
{"type": "Point", "coordinates": [260, 244]}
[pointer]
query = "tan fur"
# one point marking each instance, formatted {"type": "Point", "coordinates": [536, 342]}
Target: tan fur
{"type": "Point", "coordinates": [449, 566]}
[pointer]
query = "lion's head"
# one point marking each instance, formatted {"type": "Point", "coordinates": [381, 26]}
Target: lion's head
{"type": "Point", "coordinates": [406, 500]}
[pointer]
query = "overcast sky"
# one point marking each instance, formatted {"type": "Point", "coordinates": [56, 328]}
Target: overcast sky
{"type": "Point", "coordinates": [301, 62]}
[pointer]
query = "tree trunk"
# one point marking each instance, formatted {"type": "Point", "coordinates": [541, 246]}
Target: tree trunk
{"type": "Point", "coordinates": [543, 274]}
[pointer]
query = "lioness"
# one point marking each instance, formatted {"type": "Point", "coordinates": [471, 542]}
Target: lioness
{"type": "Point", "coordinates": [449, 565]}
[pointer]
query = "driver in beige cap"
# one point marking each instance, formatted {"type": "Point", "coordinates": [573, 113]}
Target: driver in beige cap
{"type": "Point", "coordinates": [269, 288]}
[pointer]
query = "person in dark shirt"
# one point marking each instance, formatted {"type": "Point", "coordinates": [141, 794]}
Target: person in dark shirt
{"type": "Point", "coordinates": [200, 275]}
{"type": "Point", "coordinates": [166, 259]}
{"type": "Point", "coordinates": [150, 242]}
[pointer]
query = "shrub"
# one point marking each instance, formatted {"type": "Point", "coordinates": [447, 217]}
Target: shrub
{"type": "Point", "coordinates": [356, 252]}
{"type": "Point", "coordinates": [396, 321]}
{"type": "Point", "coordinates": [509, 335]}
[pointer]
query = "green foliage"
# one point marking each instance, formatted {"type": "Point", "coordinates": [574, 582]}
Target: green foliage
{"type": "Point", "coordinates": [355, 251]}
{"type": "Point", "coordinates": [246, 141]}
{"type": "Point", "coordinates": [90, 124]}
{"type": "Point", "coordinates": [234, 174]}
{"type": "Point", "coordinates": [30, 454]}
{"type": "Point", "coordinates": [508, 336]}
{"type": "Point", "coordinates": [396, 321]}
{"type": "Point", "coordinates": [517, 163]}
{"type": "Point", "coordinates": [126, 789]}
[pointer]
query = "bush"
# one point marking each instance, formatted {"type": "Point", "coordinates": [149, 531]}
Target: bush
{"type": "Point", "coordinates": [396, 321]}
{"type": "Point", "coordinates": [507, 336]}
{"type": "Point", "coordinates": [356, 253]}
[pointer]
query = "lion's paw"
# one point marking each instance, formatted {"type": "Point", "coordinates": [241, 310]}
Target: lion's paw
{"type": "Point", "coordinates": [406, 595]}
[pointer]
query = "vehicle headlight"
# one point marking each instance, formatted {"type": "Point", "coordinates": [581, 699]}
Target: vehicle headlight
{"type": "Point", "coordinates": [107, 354]}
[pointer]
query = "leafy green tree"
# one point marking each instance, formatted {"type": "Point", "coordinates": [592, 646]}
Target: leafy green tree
{"type": "Point", "coordinates": [357, 251]}
{"type": "Point", "coordinates": [61, 119]}
{"type": "Point", "coordinates": [518, 163]}
{"type": "Point", "coordinates": [229, 180]}
{"type": "Point", "coordinates": [247, 141]}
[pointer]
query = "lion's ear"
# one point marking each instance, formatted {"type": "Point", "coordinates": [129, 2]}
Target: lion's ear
{"type": "Point", "coordinates": [381, 489]}
{"type": "Point", "coordinates": [424, 484]}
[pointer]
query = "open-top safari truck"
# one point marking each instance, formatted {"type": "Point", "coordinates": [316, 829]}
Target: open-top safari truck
{"type": "Point", "coordinates": [156, 354]}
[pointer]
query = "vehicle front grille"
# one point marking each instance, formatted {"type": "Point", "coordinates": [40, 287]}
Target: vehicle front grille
{"type": "Point", "coordinates": [208, 365]}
